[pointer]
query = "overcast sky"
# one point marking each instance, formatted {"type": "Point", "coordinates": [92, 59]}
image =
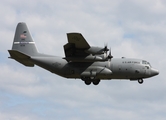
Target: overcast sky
{"type": "Point", "coordinates": [132, 28]}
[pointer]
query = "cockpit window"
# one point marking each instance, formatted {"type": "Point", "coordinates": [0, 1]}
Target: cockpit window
{"type": "Point", "coordinates": [145, 63]}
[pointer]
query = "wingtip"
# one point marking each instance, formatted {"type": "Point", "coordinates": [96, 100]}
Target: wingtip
{"type": "Point", "coordinates": [20, 23]}
{"type": "Point", "coordinates": [72, 33]}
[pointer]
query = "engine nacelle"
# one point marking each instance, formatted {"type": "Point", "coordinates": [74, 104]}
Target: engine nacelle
{"type": "Point", "coordinates": [96, 50]}
{"type": "Point", "coordinates": [90, 58]}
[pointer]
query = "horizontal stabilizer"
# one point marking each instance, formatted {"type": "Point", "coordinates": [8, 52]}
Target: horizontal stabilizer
{"type": "Point", "coordinates": [21, 58]}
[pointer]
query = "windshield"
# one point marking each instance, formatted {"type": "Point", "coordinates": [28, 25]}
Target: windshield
{"type": "Point", "coordinates": [146, 63]}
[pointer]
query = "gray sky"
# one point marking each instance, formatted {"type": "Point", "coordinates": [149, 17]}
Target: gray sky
{"type": "Point", "coordinates": [132, 28]}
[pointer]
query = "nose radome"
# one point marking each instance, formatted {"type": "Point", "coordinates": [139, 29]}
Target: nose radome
{"type": "Point", "coordinates": [154, 72]}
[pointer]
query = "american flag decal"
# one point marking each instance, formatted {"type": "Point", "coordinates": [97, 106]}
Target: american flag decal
{"type": "Point", "coordinates": [22, 36]}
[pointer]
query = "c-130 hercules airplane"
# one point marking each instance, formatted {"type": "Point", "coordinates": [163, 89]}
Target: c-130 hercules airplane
{"type": "Point", "coordinates": [81, 61]}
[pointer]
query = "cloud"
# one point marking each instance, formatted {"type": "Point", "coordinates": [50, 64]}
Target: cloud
{"type": "Point", "coordinates": [131, 28]}
{"type": "Point", "coordinates": [21, 82]}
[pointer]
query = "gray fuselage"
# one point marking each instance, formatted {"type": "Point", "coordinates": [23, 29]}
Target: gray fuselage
{"type": "Point", "coordinates": [119, 68]}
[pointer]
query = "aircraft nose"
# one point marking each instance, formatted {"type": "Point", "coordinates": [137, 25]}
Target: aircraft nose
{"type": "Point", "coordinates": [154, 72]}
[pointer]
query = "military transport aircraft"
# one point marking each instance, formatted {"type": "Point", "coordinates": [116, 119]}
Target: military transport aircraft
{"type": "Point", "coordinates": [81, 61]}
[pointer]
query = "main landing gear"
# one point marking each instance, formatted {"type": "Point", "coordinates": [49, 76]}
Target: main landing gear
{"type": "Point", "coordinates": [140, 81]}
{"type": "Point", "coordinates": [88, 81]}
{"type": "Point", "coordinates": [95, 82]}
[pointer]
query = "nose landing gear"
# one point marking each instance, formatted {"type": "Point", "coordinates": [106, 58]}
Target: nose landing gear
{"type": "Point", "coordinates": [140, 81]}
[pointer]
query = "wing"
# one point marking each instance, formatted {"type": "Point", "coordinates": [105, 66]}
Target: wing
{"type": "Point", "coordinates": [76, 45]}
{"type": "Point", "coordinates": [78, 40]}
{"type": "Point", "coordinates": [78, 50]}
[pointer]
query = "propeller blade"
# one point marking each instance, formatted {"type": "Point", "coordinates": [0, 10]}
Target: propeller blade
{"type": "Point", "coordinates": [105, 48]}
{"type": "Point", "coordinates": [109, 63]}
{"type": "Point", "coordinates": [109, 55]}
{"type": "Point", "coordinates": [105, 55]}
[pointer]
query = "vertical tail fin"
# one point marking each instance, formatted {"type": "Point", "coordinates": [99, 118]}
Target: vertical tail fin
{"type": "Point", "coordinates": [23, 41]}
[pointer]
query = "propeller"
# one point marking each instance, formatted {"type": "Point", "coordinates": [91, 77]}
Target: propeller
{"type": "Point", "coordinates": [105, 49]}
{"type": "Point", "coordinates": [109, 57]}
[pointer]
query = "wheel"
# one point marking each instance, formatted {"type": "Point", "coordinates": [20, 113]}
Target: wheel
{"type": "Point", "coordinates": [87, 82]}
{"type": "Point", "coordinates": [96, 82]}
{"type": "Point", "coordinates": [140, 81]}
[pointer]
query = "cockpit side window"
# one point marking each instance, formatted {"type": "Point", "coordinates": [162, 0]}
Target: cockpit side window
{"type": "Point", "coordinates": [146, 63]}
{"type": "Point", "coordinates": [149, 64]}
